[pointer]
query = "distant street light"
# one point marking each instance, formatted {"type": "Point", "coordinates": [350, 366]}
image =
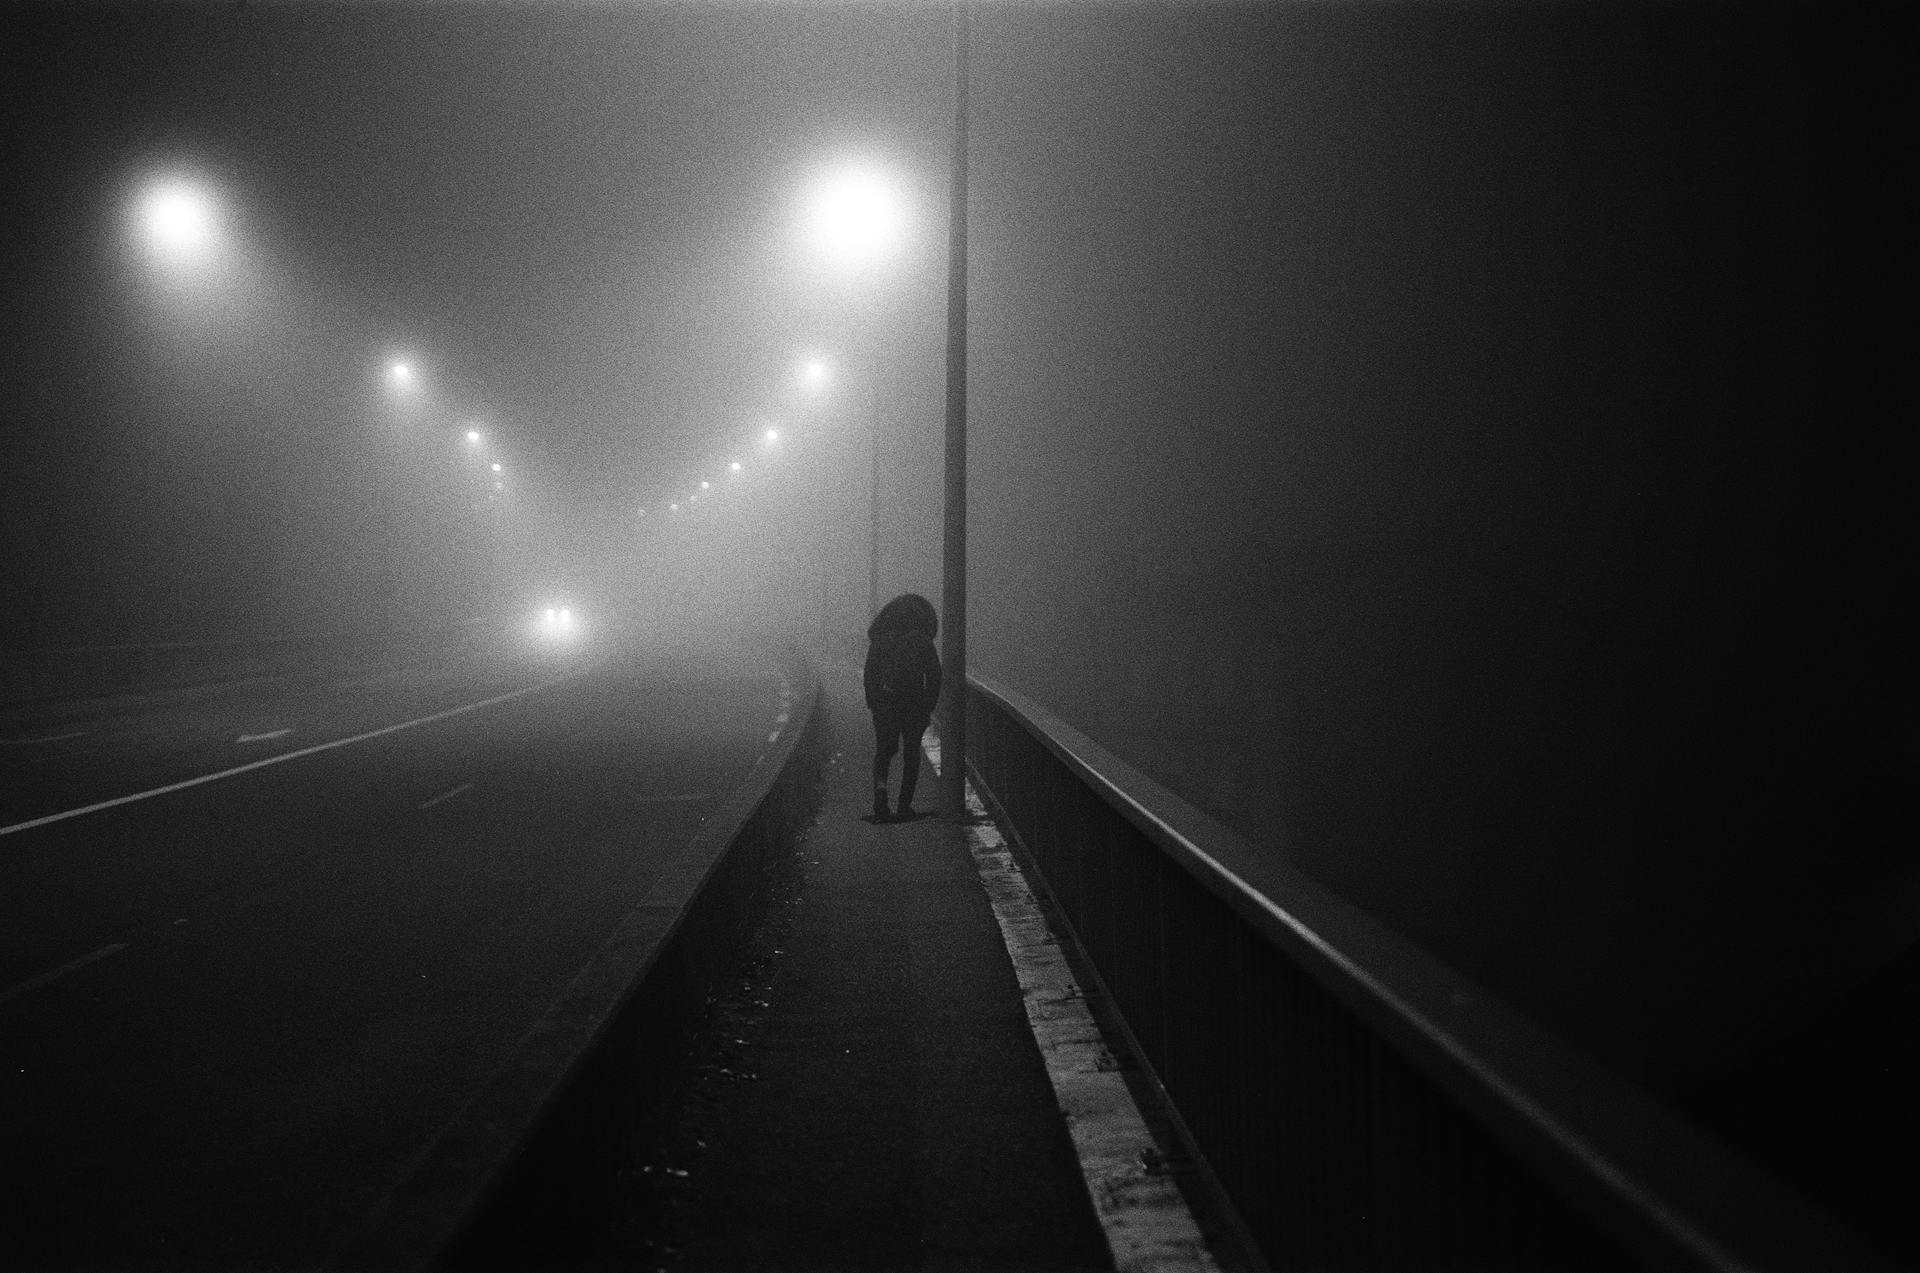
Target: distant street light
{"type": "Point", "coordinates": [773, 435]}
{"type": "Point", "coordinates": [179, 217]}
{"type": "Point", "coordinates": [473, 436]}
{"type": "Point", "coordinates": [814, 374]}
{"type": "Point", "coordinates": [735, 466]}
{"type": "Point", "coordinates": [496, 466]}
{"type": "Point", "coordinates": [400, 376]}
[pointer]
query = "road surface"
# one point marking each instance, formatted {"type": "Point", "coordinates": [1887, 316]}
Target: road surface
{"type": "Point", "coordinates": [233, 1011]}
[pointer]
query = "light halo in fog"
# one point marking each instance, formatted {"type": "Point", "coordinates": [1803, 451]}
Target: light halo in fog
{"type": "Point", "coordinates": [179, 216]}
{"type": "Point", "coordinates": [854, 215]}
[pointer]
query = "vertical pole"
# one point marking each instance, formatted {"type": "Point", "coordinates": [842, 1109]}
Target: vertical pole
{"type": "Point", "coordinates": [953, 622]}
{"type": "Point", "coordinates": [873, 498]}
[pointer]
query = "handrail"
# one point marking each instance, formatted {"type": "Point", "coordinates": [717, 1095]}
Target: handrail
{"type": "Point", "coordinates": [1622, 1180]}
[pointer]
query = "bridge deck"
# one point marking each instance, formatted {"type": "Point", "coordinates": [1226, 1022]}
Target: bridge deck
{"type": "Point", "coordinates": [872, 1094]}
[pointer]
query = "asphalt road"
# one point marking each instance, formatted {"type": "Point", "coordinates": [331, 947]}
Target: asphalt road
{"type": "Point", "coordinates": [234, 1012]}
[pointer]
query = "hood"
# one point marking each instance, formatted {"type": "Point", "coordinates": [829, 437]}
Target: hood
{"type": "Point", "coordinates": [908, 612]}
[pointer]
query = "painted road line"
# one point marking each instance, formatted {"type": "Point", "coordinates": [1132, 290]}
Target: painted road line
{"type": "Point", "coordinates": [445, 795]}
{"type": "Point", "coordinates": [281, 759]}
{"type": "Point", "coordinates": [50, 738]}
{"type": "Point", "coordinates": [32, 984]}
{"type": "Point", "coordinates": [1148, 1226]}
{"type": "Point", "coordinates": [261, 738]}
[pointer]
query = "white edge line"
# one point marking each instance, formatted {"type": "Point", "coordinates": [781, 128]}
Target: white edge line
{"type": "Point", "coordinates": [275, 760]}
{"type": "Point", "coordinates": [32, 984]}
{"type": "Point", "coordinates": [50, 738]}
{"type": "Point", "coordinates": [260, 738]}
{"type": "Point", "coordinates": [445, 795]}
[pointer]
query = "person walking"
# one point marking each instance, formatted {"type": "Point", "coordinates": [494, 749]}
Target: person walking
{"type": "Point", "coordinates": [902, 682]}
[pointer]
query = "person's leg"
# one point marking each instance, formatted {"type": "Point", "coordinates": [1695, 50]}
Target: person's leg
{"type": "Point", "coordinates": [910, 732]}
{"type": "Point", "coordinates": [886, 737]}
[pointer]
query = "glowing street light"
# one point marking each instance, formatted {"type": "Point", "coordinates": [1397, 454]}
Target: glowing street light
{"type": "Point", "coordinates": [496, 466]}
{"type": "Point", "coordinates": [854, 215]}
{"type": "Point", "coordinates": [814, 373]}
{"type": "Point", "coordinates": [773, 435]}
{"type": "Point", "coordinates": [734, 467]}
{"type": "Point", "coordinates": [473, 436]}
{"type": "Point", "coordinates": [180, 218]}
{"type": "Point", "coordinates": [400, 376]}
{"type": "Point", "coordinates": [704, 486]}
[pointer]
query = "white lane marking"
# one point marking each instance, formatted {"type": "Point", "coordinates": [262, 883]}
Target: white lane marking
{"type": "Point", "coordinates": [32, 984]}
{"type": "Point", "coordinates": [281, 759]}
{"type": "Point", "coordinates": [445, 795]}
{"type": "Point", "coordinates": [50, 738]}
{"type": "Point", "coordinates": [774, 737]}
{"type": "Point", "coordinates": [1147, 1224]}
{"type": "Point", "coordinates": [261, 738]}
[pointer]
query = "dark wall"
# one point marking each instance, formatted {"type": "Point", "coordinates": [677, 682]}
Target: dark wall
{"type": "Point", "coordinates": [1456, 446]}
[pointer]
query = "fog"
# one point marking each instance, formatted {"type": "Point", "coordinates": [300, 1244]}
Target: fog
{"type": "Point", "coordinates": [1447, 443]}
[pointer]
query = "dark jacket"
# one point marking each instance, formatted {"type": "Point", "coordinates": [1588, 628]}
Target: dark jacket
{"type": "Point", "coordinates": [903, 669]}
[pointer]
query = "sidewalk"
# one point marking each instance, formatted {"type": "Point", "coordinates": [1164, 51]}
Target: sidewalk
{"type": "Point", "coordinates": [880, 1101]}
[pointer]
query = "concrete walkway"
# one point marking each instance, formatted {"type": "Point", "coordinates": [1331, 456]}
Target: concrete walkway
{"type": "Point", "coordinates": [890, 1109]}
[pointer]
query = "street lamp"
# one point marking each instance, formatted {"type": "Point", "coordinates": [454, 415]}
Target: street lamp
{"type": "Point", "coordinates": [197, 269]}
{"type": "Point", "coordinates": [179, 218]}
{"type": "Point", "coordinates": [854, 216]}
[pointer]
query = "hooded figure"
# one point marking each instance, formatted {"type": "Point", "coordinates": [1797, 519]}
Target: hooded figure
{"type": "Point", "coordinates": [902, 680]}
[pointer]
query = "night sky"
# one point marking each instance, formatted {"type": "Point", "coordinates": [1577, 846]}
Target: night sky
{"type": "Point", "coordinates": [1450, 443]}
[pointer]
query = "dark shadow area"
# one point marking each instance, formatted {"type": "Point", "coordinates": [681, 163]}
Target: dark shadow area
{"type": "Point", "coordinates": [1833, 1107]}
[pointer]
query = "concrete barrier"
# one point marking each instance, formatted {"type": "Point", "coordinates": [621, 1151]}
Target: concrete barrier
{"type": "Point", "coordinates": [520, 1175]}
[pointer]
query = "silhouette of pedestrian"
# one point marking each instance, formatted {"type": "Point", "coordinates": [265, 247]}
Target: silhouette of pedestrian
{"type": "Point", "coordinates": [902, 681]}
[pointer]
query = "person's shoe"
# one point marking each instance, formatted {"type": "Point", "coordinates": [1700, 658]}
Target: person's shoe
{"type": "Point", "coordinates": [879, 804]}
{"type": "Point", "coordinates": [904, 813]}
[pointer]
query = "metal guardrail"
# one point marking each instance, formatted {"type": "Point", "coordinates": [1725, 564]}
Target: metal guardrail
{"type": "Point", "coordinates": [1361, 1104]}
